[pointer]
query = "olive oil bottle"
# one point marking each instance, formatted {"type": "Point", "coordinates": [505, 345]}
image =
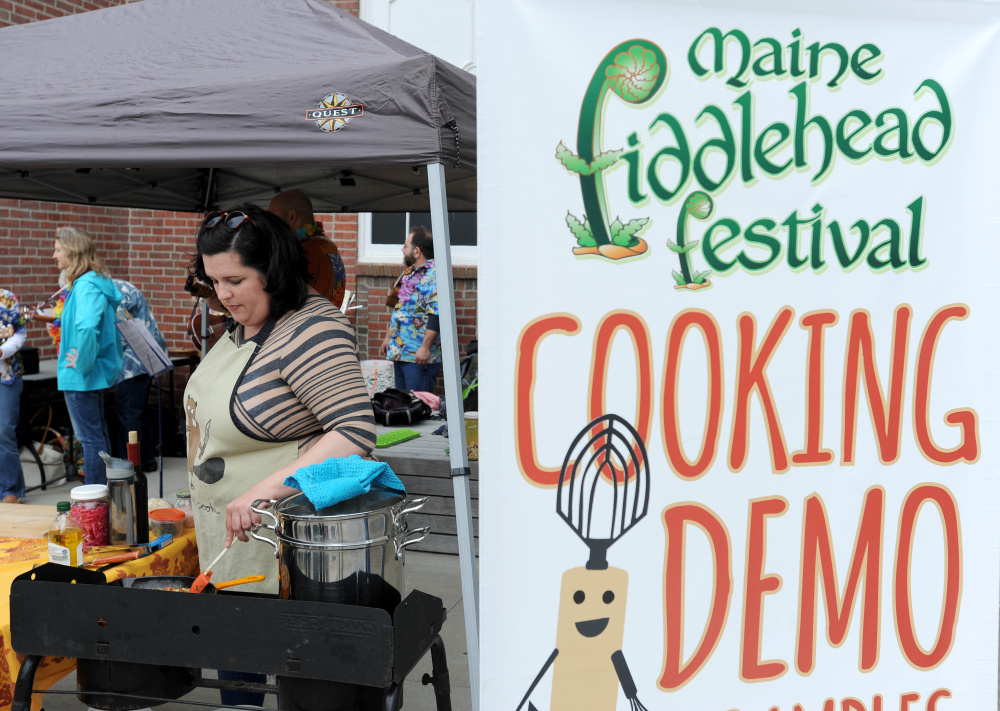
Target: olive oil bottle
{"type": "Point", "coordinates": [65, 538]}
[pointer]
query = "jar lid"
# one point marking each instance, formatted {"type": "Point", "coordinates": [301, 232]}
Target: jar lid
{"type": "Point", "coordinates": [166, 515]}
{"type": "Point", "coordinates": [184, 494]}
{"type": "Point", "coordinates": [89, 492]}
{"type": "Point", "coordinates": [472, 415]}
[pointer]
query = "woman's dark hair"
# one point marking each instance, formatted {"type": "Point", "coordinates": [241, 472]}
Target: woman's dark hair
{"type": "Point", "coordinates": [265, 243]}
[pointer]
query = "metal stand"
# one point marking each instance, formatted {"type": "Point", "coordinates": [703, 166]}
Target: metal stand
{"type": "Point", "coordinates": [456, 420]}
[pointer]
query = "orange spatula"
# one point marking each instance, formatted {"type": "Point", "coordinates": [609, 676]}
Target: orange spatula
{"type": "Point", "coordinates": [201, 582]}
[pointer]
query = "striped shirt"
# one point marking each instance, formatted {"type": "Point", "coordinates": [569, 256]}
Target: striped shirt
{"type": "Point", "coordinates": [305, 380]}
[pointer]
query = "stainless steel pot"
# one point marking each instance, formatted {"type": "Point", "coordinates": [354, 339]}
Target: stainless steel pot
{"type": "Point", "coordinates": [351, 553]}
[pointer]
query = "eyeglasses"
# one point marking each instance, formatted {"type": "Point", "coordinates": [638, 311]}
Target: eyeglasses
{"type": "Point", "coordinates": [232, 219]}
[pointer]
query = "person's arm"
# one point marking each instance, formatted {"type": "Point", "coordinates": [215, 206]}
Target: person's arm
{"type": "Point", "coordinates": [344, 412]}
{"type": "Point", "coordinates": [424, 352]}
{"type": "Point", "coordinates": [431, 330]}
{"type": "Point", "coordinates": [13, 344]}
{"type": "Point", "coordinates": [239, 517]}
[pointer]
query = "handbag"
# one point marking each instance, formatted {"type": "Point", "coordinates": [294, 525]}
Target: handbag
{"type": "Point", "coordinates": [393, 406]}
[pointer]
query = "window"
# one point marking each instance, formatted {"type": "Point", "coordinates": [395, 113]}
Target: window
{"type": "Point", "coordinates": [383, 234]}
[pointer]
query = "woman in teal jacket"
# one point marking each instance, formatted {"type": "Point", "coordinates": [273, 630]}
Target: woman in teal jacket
{"type": "Point", "coordinates": [90, 349]}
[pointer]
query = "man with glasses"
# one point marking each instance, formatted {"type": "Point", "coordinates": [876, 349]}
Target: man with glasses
{"type": "Point", "coordinates": [412, 341]}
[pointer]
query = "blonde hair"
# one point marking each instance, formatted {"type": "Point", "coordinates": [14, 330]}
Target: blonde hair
{"type": "Point", "coordinates": [80, 253]}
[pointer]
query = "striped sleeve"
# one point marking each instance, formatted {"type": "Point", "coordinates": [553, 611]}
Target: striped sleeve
{"type": "Point", "coordinates": [307, 378]}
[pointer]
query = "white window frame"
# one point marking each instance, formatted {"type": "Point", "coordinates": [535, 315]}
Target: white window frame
{"type": "Point", "coordinates": [369, 253]}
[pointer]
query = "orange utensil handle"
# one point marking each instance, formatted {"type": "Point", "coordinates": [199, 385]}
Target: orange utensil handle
{"type": "Point", "coordinates": [240, 581]}
{"type": "Point", "coordinates": [120, 558]}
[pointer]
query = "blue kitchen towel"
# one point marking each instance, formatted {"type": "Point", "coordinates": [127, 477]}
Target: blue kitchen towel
{"type": "Point", "coordinates": [339, 479]}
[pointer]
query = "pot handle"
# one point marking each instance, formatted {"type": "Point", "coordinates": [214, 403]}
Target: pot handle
{"type": "Point", "coordinates": [409, 538]}
{"type": "Point", "coordinates": [274, 544]}
{"type": "Point", "coordinates": [409, 507]}
{"type": "Point", "coordinates": [257, 527]}
{"type": "Point", "coordinates": [265, 512]}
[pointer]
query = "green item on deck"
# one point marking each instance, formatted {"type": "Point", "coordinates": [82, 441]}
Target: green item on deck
{"type": "Point", "coordinates": [388, 439]}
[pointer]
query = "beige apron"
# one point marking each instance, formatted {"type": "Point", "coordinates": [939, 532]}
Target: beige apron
{"type": "Point", "coordinates": [223, 463]}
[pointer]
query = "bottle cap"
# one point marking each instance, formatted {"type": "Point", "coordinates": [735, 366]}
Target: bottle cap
{"type": "Point", "coordinates": [62, 506]}
{"type": "Point", "coordinates": [89, 492]}
{"type": "Point", "coordinates": [117, 468]}
{"type": "Point", "coordinates": [184, 494]}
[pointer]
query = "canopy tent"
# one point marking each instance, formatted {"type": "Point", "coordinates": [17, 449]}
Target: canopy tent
{"type": "Point", "coordinates": [189, 105]}
{"type": "Point", "coordinates": [183, 104]}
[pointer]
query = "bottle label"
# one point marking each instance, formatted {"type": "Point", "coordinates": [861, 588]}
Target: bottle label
{"type": "Point", "coordinates": [64, 555]}
{"type": "Point", "coordinates": [58, 554]}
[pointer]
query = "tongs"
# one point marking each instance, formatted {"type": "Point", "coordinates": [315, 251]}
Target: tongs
{"type": "Point", "coordinates": [201, 582]}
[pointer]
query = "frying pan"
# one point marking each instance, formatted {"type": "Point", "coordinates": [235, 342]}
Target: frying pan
{"type": "Point", "coordinates": [161, 582]}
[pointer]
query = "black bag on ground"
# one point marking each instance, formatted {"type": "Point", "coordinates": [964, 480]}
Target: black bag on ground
{"type": "Point", "coordinates": [399, 407]}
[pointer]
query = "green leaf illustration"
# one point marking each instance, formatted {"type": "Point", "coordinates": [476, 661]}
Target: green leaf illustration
{"type": "Point", "coordinates": [701, 277]}
{"type": "Point", "coordinates": [580, 230]}
{"type": "Point", "coordinates": [633, 74]}
{"type": "Point", "coordinates": [678, 277]}
{"type": "Point", "coordinates": [575, 163]}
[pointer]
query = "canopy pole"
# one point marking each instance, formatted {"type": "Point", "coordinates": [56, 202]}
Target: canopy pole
{"type": "Point", "coordinates": [456, 420]}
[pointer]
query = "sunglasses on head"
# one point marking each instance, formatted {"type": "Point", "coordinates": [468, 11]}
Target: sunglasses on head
{"type": "Point", "coordinates": [231, 219]}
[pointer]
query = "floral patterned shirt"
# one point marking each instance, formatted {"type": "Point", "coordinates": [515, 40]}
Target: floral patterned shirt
{"type": "Point", "coordinates": [134, 304]}
{"type": "Point", "coordinates": [11, 322]}
{"type": "Point", "coordinates": [417, 304]}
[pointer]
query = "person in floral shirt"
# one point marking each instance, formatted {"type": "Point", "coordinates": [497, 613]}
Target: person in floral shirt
{"type": "Point", "coordinates": [412, 341]}
{"type": "Point", "coordinates": [12, 336]}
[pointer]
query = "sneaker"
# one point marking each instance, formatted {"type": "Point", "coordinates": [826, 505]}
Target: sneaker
{"type": "Point", "coordinates": [150, 467]}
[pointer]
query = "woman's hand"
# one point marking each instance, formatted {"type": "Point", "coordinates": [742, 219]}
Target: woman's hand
{"type": "Point", "coordinates": [239, 517]}
{"type": "Point", "coordinates": [71, 358]}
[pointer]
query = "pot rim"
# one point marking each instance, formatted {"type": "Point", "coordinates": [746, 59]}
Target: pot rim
{"type": "Point", "coordinates": [341, 545]}
{"type": "Point", "coordinates": [389, 511]}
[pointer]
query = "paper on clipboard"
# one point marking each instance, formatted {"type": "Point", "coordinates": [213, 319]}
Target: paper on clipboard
{"type": "Point", "coordinates": [138, 337]}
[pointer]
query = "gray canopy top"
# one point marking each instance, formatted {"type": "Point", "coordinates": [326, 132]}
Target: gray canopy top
{"type": "Point", "coordinates": [193, 104]}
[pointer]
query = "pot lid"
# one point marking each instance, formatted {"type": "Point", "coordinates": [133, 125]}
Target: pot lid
{"type": "Point", "coordinates": [298, 506]}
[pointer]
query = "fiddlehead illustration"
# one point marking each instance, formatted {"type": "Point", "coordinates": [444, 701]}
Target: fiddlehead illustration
{"type": "Point", "coordinates": [634, 71]}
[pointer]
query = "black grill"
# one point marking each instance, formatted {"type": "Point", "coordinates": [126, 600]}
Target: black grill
{"type": "Point", "coordinates": [142, 647]}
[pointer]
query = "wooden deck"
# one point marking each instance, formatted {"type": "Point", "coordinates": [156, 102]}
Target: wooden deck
{"type": "Point", "coordinates": [425, 470]}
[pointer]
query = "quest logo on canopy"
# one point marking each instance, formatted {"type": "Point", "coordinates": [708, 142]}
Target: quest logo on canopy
{"type": "Point", "coordinates": [334, 111]}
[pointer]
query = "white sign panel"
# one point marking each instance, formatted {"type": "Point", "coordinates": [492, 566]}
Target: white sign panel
{"type": "Point", "coordinates": [738, 288]}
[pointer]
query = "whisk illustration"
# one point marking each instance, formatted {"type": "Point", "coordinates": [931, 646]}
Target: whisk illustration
{"type": "Point", "coordinates": [603, 492]}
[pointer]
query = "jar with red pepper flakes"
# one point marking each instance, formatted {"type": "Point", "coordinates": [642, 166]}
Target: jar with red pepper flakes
{"type": "Point", "coordinates": [89, 506]}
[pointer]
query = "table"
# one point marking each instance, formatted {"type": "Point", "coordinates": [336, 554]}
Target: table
{"type": "Point", "coordinates": [22, 548]}
{"type": "Point", "coordinates": [425, 470]}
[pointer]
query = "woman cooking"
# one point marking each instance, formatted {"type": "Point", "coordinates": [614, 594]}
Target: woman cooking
{"type": "Point", "coordinates": [282, 389]}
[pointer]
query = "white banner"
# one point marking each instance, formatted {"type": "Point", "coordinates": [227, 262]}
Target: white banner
{"type": "Point", "coordinates": [738, 288]}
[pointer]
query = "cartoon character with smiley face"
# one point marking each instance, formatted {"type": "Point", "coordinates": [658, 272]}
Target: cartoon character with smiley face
{"type": "Point", "coordinates": [603, 491]}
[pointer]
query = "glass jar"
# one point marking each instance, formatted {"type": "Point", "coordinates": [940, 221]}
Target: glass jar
{"type": "Point", "coordinates": [89, 506]}
{"type": "Point", "coordinates": [472, 436]}
{"type": "Point", "coordinates": [184, 503]}
{"type": "Point", "coordinates": [166, 521]}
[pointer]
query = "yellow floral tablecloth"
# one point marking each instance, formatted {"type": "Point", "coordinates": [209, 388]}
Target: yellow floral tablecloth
{"type": "Point", "coordinates": [19, 555]}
